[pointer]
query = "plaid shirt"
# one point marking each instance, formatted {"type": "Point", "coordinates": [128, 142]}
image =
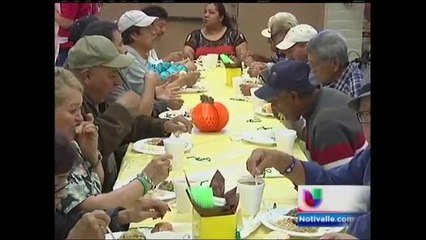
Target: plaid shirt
{"type": "Point", "coordinates": [350, 81]}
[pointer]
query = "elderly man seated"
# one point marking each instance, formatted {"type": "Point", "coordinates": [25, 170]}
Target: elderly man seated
{"type": "Point", "coordinates": [355, 172]}
{"type": "Point", "coordinates": [332, 133]}
{"type": "Point", "coordinates": [328, 56]}
{"type": "Point", "coordinates": [279, 25]}
{"type": "Point", "coordinates": [295, 42]}
{"type": "Point", "coordinates": [96, 62]}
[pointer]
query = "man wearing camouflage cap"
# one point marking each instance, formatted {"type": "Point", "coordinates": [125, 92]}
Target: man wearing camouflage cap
{"type": "Point", "coordinates": [278, 26]}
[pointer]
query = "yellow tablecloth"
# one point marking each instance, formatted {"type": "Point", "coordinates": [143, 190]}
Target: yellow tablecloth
{"type": "Point", "coordinates": [226, 155]}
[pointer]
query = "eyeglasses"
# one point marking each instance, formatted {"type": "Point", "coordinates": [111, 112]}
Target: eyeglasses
{"type": "Point", "coordinates": [363, 116]}
{"type": "Point", "coordinates": [58, 189]}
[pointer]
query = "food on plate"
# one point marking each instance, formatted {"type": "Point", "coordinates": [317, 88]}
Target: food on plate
{"type": "Point", "coordinates": [175, 114]}
{"type": "Point", "coordinates": [290, 224]}
{"type": "Point", "coordinates": [133, 234]}
{"type": "Point", "coordinates": [167, 186]}
{"type": "Point", "coordinates": [292, 213]}
{"type": "Point", "coordinates": [156, 142]}
{"type": "Point", "coordinates": [190, 87]}
{"type": "Point", "coordinates": [162, 227]}
{"type": "Point", "coordinates": [267, 108]}
{"type": "Point", "coordinates": [194, 88]}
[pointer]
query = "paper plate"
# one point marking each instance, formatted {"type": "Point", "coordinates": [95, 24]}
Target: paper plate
{"type": "Point", "coordinates": [271, 219]}
{"type": "Point", "coordinates": [157, 235]}
{"type": "Point", "coordinates": [174, 113]}
{"type": "Point", "coordinates": [148, 146]}
{"type": "Point", "coordinates": [260, 137]}
{"type": "Point", "coordinates": [194, 89]}
{"type": "Point", "coordinates": [259, 111]}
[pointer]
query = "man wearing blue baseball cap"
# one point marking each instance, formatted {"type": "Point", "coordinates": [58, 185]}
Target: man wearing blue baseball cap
{"type": "Point", "coordinates": [355, 172]}
{"type": "Point", "coordinates": [333, 135]}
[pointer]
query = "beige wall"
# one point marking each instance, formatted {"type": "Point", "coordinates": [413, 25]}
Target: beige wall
{"type": "Point", "coordinates": [348, 19]}
{"type": "Point", "coordinates": [253, 17]}
{"type": "Point", "coordinates": [113, 11]}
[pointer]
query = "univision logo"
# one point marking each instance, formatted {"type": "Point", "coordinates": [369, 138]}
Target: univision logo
{"type": "Point", "coordinates": [313, 199]}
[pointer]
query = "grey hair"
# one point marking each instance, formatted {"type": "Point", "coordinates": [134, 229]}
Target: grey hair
{"type": "Point", "coordinates": [329, 45]}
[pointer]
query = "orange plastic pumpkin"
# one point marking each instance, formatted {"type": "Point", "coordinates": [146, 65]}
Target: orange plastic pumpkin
{"type": "Point", "coordinates": [210, 116]}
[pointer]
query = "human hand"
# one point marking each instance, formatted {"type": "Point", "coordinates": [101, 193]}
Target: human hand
{"type": "Point", "coordinates": [87, 139]}
{"type": "Point", "coordinates": [92, 225]}
{"type": "Point", "coordinates": [260, 159]}
{"type": "Point", "coordinates": [158, 169]}
{"type": "Point", "coordinates": [146, 208]}
{"type": "Point", "coordinates": [177, 125]}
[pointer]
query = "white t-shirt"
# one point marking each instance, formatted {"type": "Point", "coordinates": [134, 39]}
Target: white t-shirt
{"type": "Point", "coordinates": [153, 57]}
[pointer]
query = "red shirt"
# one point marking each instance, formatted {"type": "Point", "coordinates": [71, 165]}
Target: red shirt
{"type": "Point", "coordinates": [74, 11]}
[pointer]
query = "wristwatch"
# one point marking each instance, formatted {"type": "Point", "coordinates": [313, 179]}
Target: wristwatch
{"type": "Point", "coordinates": [290, 167]}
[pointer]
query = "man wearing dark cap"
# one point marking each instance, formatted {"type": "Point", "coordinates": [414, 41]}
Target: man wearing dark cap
{"type": "Point", "coordinates": [332, 135]}
{"type": "Point", "coordinates": [355, 172]}
{"type": "Point", "coordinates": [95, 61]}
{"type": "Point", "coordinates": [79, 26]}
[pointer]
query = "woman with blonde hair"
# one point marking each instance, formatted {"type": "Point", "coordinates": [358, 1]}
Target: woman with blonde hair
{"type": "Point", "coordinates": [85, 180]}
{"type": "Point", "coordinates": [88, 225]}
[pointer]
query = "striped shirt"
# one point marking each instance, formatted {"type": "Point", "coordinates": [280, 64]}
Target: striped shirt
{"type": "Point", "coordinates": [333, 133]}
{"type": "Point", "coordinates": [350, 81]}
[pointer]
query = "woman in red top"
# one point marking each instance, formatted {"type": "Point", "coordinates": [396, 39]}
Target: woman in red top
{"type": "Point", "coordinates": [217, 36]}
{"type": "Point", "coordinates": [69, 13]}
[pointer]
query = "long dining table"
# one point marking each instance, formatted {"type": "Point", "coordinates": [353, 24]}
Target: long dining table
{"type": "Point", "coordinates": [226, 151]}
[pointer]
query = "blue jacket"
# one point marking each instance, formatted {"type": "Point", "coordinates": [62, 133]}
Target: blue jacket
{"type": "Point", "coordinates": [355, 172]}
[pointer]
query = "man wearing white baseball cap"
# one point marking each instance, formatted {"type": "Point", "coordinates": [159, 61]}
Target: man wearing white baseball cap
{"type": "Point", "coordinates": [134, 18]}
{"type": "Point", "coordinates": [280, 20]}
{"type": "Point", "coordinates": [139, 37]}
{"type": "Point", "coordinates": [295, 42]}
{"type": "Point", "coordinates": [278, 26]}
